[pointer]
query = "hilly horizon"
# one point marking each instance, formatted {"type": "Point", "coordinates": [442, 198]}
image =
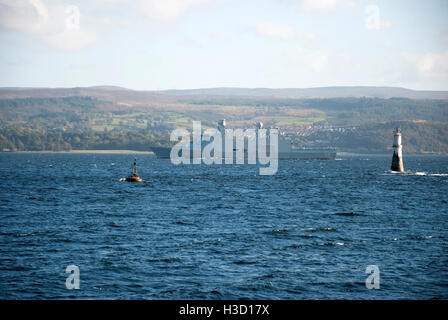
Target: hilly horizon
{"type": "Point", "coordinates": [384, 92]}
{"type": "Point", "coordinates": [353, 119]}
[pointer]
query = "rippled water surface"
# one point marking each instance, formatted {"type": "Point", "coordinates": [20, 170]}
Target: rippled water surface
{"type": "Point", "coordinates": [222, 232]}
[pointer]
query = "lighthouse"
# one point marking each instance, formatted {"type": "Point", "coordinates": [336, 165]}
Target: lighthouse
{"type": "Point", "coordinates": [397, 158]}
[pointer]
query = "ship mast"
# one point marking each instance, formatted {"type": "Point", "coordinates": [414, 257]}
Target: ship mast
{"type": "Point", "coordinates": [134, 168]}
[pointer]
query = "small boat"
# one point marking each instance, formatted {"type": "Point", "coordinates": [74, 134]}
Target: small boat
{"type": "Point", "coordinates": [134, 177]}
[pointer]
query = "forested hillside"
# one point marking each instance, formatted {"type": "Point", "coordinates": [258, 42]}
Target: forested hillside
{"type": "Point", "coordinates": [115, 118]}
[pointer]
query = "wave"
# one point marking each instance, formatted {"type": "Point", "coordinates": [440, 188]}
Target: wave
{"type": "Point", "coordinates": [330, 244]}
{"type": "Point", "coordinates": [416, 173]}
{"type": "Point", "coordinates": [422, 173]}
{"type": "Point", "coordinates": [319, 229]}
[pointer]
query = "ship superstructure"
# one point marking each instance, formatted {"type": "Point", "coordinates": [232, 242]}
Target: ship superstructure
{"type": "Point", "coordinates": [285, 149]}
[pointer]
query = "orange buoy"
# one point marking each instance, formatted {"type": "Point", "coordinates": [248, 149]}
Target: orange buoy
{"type": "Point", "coordinates": [134, 177]}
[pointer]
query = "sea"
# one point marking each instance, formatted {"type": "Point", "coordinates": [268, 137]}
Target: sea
{"type": "Point", "coordinates": [342, 229]}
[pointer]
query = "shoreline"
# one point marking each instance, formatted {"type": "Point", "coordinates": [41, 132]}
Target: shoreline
{"type": "Point", "coordinates": [341, 153]}
{"type": "Point", "coordinates": [88, 151]}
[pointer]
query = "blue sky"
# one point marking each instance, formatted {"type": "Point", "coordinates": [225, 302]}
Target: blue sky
{"type": "Point", "coordinates": [178, 44]}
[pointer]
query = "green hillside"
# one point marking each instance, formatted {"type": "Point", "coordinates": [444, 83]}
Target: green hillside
{"type": "Point", "coordinates": [118, 118]}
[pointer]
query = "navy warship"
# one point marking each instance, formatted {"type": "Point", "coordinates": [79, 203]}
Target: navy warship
{"type": "Point", "coordinates": [285, 148]}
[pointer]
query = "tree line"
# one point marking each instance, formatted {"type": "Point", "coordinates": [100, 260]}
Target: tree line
{"type": "Point", "coordinates": [16, 139]}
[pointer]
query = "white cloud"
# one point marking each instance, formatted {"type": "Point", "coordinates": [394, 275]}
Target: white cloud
{"type": "Point", "coordinates": [27, 16]}
{"type": "Point", "coordinates": [427, 71]}
{"type": "Point", "coordinates": [167, 10]}
{"type": "Point", "coordinates": [106, 2]}
{"type": "Point", "coordinates": [324, 6]}
{"type": "Point", "coordinates": [431, 64]}
{"type": "Point", "coordinates": [283, 32]}
{"type": "Point", "coordinates": [319, 5]}
{"type": "Point", "coordinates": [50, 21]}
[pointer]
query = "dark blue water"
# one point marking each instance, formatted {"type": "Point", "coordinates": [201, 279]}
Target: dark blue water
{"type": "Point", "coordinates": [222, 232]}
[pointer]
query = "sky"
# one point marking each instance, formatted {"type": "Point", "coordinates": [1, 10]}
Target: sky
{"type": "Point", "coordinates": [185, 44]}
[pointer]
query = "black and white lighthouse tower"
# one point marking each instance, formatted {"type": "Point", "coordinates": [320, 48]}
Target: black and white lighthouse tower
{"type": "Point", "coordinates": [397, 158]}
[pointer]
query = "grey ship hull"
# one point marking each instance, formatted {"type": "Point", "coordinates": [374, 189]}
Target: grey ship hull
{"type": "Point", "coordinates": [298, 154]}
{"type": "Point", "coordinates": [308, 154]}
